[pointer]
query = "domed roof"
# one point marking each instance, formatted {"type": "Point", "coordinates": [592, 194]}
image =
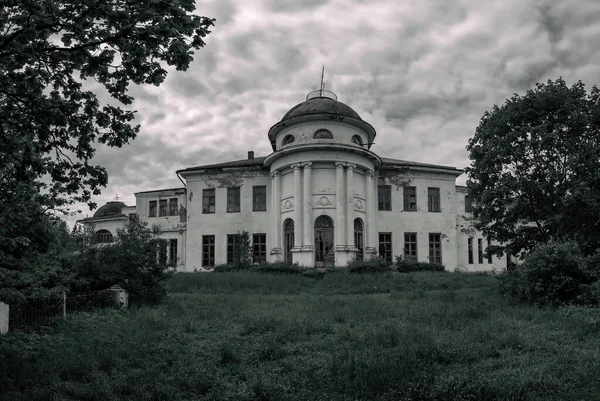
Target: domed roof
{"type": "Point", "coordinates": [321, 105]}
{"type": "Point", "coordinates": [110, 208]}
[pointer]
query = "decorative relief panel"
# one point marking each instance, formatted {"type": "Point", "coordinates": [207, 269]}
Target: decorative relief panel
{"type": "Point", "coordinates": [359, 205]}
{"type": "Point", "coordinates": [287, 205]}
{"type": "Point", "coordinates": [324, 202]}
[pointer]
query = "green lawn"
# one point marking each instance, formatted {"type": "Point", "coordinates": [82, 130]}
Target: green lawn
{"type": "Point", "coordinates": [250, 336]}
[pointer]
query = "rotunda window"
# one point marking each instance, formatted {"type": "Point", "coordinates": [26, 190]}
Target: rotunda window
{"type": "Point", "coordinates": [288, 139]}
{"type": "Point", "coordinates": [356, 139]}
{"type": "Point", "coordinates": [323, 134]}
{"type": "Point", "coordinates": [104, 237]}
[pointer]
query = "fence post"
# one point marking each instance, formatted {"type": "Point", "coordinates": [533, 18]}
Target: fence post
{"type": "Point", "coordinates": [4, 309]}
{"type": "Point", "coordinates": [64, 304]}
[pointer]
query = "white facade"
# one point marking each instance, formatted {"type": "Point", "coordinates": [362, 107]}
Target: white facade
{"type": "Point", "coordinates": [343, 199]}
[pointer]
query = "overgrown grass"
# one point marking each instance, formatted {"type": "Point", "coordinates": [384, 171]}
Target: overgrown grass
{"type": "Point", "coordinates": [341, 336]}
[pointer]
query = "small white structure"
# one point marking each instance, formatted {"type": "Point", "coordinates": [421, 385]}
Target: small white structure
{"type": "Point", "coordinates": [321, 198]}
{"type": "Point", "coordinates": [4, 316]}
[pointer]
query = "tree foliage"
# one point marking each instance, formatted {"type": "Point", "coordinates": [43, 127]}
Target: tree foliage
{"type": "Point", "coordinates": [535, 168]}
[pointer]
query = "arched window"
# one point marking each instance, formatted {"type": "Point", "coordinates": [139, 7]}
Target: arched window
{"type": "Point", "coordinates": [288, 139]}
{"type": "Point", "coordinates": [359, 238]}
{"type": "Point", "coordinates": [104, 237]}
{"type": "Point", "coordinates": [323, 134]}
{"type": "Point", "coordinates": [356, 139]}
{"type": "Point", "coordinates": [288, 239]}
{"type": "Point", "coordinates": [324, 248]}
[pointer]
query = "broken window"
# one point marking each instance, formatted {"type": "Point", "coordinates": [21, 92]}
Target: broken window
{"type": "Point", "coordinates": [433, 200]}
{"type": "Point", "coordinates": [173, 207]}
{"type": "Point", "coordinates": [259, 198]}
{"type": "Point", "coordinates": [233, 199]}
{"type": "Point", "coordinates": [259, 248]}
{"type": "Point", "coordinates": [410, 199]}
{"type": "Point", "coordinates": [435, 248]}
{"type": "Point", "coordinates": [208, 250]}
{"type": "Point", "coordinates": [385, 246]}
{"type": "Point", "coordinates": [384, 197]}
{"type": "Point", "coordinates": [152, 209]}
{"type": "Point", "coordinates": [208, 201]}
{"type": "Point", "coordinates": [410, 246]}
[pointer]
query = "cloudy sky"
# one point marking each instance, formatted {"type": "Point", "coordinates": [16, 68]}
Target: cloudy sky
{"type": "Point", "coordinates": [422, 72]}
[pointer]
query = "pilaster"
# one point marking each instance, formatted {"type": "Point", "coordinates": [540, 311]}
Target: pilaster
{"type": "Point", "coordinates": [307, 207]}
{"type": "Point", "coordinates": [276, 249]}
{"type": "Point", "coordinates": [350, 207]}
{"type": "Point", "coordinates": [298, 220]}
{"type": "Point", "coordinates": [340, 211]}
{"type": "Point", "coordinates": [370, 248]}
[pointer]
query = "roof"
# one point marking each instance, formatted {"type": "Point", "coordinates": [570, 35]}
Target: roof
{"type": "Point", "coordinates": [109, 209]}
{"type": "Point", "coordinates": [321, 105]}
{"type": "Point", "coordinates": [387, 162]}
{"type": "Point", "coordinates": [257, 161]}
{"type": "Point", "coordinates": [160, 190]}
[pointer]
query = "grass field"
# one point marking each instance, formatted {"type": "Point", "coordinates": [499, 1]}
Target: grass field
{"type": "Point", "coordinates": [250, 336]}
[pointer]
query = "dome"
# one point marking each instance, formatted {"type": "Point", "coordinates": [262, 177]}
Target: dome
{"type": "Point", "coordinates": [110, 208]}
{"type": "Point", "coordinates": [321, 105]}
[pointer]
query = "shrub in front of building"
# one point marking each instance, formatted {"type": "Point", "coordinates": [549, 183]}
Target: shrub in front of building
{"type": "Point", "coordinates": [404, 265]}
{"type": "Point", "coordinates": [372, 265]}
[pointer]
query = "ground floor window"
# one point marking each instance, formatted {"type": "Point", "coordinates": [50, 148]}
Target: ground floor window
{"type": "Point", "coordinates": [410, 246]}
{"type": "Point", "coordinates": [470, 250]}
{"type": "Point", "coordinates": [288, 240]}
{"type": "Point", "coordinates": [324, 247]}
{"type": "Point", "coordinates": [208, 250]}
{"type": "Point", "coordinates": [172, 252]}
{"type": "Point", "coordinates": [259, 248]}
{"type": "Point", "coordinates": [385, 246]}
{"type": "Point", "coordinates": [480, 250]}
{"type": "Point", "coordinates": [489, 255]}
{"type": "Point", "coordinates": [359, 238]}
{"type": "Point", "coordinates": [435, 248]}
{"type": "Point", "coordinates": [233, 240]}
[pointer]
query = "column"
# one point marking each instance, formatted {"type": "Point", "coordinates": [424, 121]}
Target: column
{"type": "Point", "coordinates": [340, 211]}
{"type": "Point", "coordinates": [276, 212]}
{"type": "Point", "coordinates": [350, 206]}
{"type": "Point", "coordinates": [369, 213]}
{"type": "Point", "coordinates": [307, 206]}
{"type": "Point", "coordinates": [297, 206]}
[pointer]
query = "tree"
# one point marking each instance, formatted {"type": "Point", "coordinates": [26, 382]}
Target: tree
{"type": "Point", "coordinates": [51, 51]}
{"type": "Point", "coordinates": [535, 168]}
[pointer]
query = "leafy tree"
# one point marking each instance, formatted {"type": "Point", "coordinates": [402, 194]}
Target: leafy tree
{"type": "Point", "coordinates": [535, 168]}
{"type": "Point", "coordinates": [52, 53]}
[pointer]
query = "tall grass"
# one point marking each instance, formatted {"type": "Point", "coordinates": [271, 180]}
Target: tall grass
{"type": "Point", "coordinates": [250, 336]}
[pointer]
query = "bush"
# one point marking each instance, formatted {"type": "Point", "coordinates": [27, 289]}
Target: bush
{"type": "Point", "coordinates": [409, 265]}
{"type": "Point", "coordinates": [555, 273]}
{"type": "Point", "coordinates": [372, 265]}
{"type": "Point", "coordinates": [280, 268]}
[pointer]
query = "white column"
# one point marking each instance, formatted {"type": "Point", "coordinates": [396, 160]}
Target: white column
{"type": "Point", "coordinates": [350, 206]}
{"type": "Point", "coordinates": [307, 206]}
{"type": "Point", "coordinates": [374, 239]}
{"type": "Point", "coordinates": [297, 206]}
{"type": "Point", "coordinates": [340, 211]}
{"type": "Point", "coordinates": [369, 213]}
{"type": "Point", "coordinates": [276, 212]}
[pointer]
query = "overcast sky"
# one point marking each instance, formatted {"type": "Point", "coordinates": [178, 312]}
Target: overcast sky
{"type": "Point", "coordinates": [422, 72]}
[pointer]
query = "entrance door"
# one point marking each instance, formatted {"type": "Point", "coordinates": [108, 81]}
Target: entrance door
{"type": "Point", "coordinates": [358, 239]}
{"type": "Point", "coordinates": [288, 240]}
{"type": "Point", "coordinates": [324, 248]}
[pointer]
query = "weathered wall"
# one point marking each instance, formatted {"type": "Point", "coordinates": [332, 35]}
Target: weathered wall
{"type": "Point", "coordinates": [303, 133]}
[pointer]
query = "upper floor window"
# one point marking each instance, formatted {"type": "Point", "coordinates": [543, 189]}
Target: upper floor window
{"type": "Point", "coordinates": [208, 201]}
{"type": "Point", "coordinates": [288, 139]}
{"type": "Point", "coordinates": [468, 204]}
{"type": "Point", "coordinates": [152, 208]}
{"type": "Point", "coordinates": [384, 197]}
{"type": "Point", "coordinates": [104, 237]}
{"type": "Point", "coordinates": [410, 199]}
{"type": "Point", "coordinates": [233, 199]}
{"type": "Point", "coordinates": [433, 200]}
{"type": "Point", "coordinates": [323, 134]}
{"type": "Point", "coordinates": [259, 198]}
{"type": "Point", "coordinates": [162, 207]}
{"type": "Point", "coordinates": [173, 207]}
{"type": "Point", "coordinates": [356, 139]}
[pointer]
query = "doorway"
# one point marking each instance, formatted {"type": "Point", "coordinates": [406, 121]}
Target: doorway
{"type": "Point", "coordinates": [359, 243]}
{"type": "Point", "coordinates": [324, 246]}
{"type": "Point", "coordinates": [288, 240]}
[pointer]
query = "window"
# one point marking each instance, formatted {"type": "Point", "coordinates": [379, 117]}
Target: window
{"type": "Point", "coordinates": [288, 240]}
{"type": "Point", "coordinates": [162, 207]}
{"type": "Point", "coordinates": [208, 201]}
{"type": "Point", "coordinates": [433, 199]}
{"type": "Point", "coordinates": [104, 237]}
{"type": "Point", "coordinates": [384, 197]}
{"type": "Point", "coordinates": [232, 241]}
{"type": "Point", "coordinates": [323, 134]}
{"type": "Point", "coordinates": [259, 198]}
{"type": "Point", "coordinates": [385, 246]}
{"type": "Point", "coordinates": [489, 255]}
{"type": "Point", "coordinates": [259, 248]}
{"type": "Point", "coordinates": [173, 207]}
{"type": "Point", "coordinates": [435, 248]}
{"type": "Point", "coordinates": [359, 238]}
{"type": "Point", "coordinates": [152, 209]}
{"type": "Point", "coordinates": [233, 199]}
{"type": "Point", "coordinates": [468, 204]}
{"type": "Point", "coordinates": [172, 252]}
{"type": "Point", "coordinates": [356, 139]}
{"type": "Point", "coordinates": [410, 199]}
{"type": "Point", "coordinates": [287, 140]}
{"type": "Point", "coordinates": [470, 250]}
{"type": "Point", "coordinates": [480, 250]}
{"type": "Point", "coordinates": [208, 250]}
{"type": "Point", "coordinates": [410, 246]}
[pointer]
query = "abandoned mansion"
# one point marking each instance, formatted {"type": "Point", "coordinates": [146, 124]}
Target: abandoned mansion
{"type": "Point", "coordinates": [321, 198]}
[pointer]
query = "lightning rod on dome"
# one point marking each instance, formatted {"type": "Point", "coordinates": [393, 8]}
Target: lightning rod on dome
{"type": "Point", "coordinates": [322, 92]}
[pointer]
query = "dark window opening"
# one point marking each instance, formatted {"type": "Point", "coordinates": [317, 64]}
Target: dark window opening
{"type": "Point", "coordinates": [489, 255]}
{"type": "Point", "coordinates": [259, 198]}
{"type": "Point", "coordinates": [435, 248]}
{"type": "Point", "coordinates": [208, 250]}
{"type": "Point", "coordinates": [233, 199]}
{"type": "Point", "coordinates": [104, 237]}
{"type": "Point", "coordinates": [410, 246]}
{"type": "Point", "coordinates": [385, 246]}
{"type": "Point", "coordinates": [410, 199]}
{"type": "Point", "coordinates": [173, 207]}
{"type": "Point", "coordinates": [323, 134]}
{"type": "Point", "coordinates": [259, 248]}
{"type": "Point", "coordinates": [162, 208]}
{"type": "Point", "coordinates": [470, 250]}
{"type": "Point", "coordinates": [208, 201]}
{"type": "Point", "coordinates": [288, 240]}
{"type": "Point", "coordinates": [384, 197]}
{"type": "Point", "coordinates": [172, 252]}
{"type": "Point", "coordinates": [357, 140]}
{"type": "Point", "coordinates": [480, 250]}
{"type": "Point", "coordinates": [233, 240]}
{"type": "Point", "coordinates": [359, 239]}
{"type": "Point", "coordinates": [287, 140]}
{"type": "Point", "coordinates": [152, 208]}
{"type": "Point", "coordinates": [433, 199]}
